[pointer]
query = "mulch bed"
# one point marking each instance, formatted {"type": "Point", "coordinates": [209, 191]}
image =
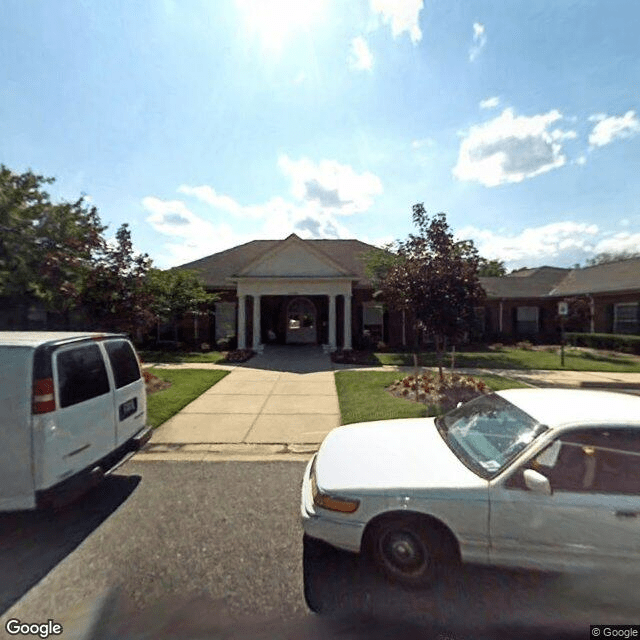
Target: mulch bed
{"type": "Point", "coordinates": [154, 384]}
{"type": "Point", "coordinates": [444, 394]}
{"type": "Point", "coordinates": [239, 355]}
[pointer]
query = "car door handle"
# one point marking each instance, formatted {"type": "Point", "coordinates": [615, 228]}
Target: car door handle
{"type": "Point", "coordinates": [627, 514]}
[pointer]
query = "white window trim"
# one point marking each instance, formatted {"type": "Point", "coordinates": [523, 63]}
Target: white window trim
{"type": "Point", "coordinates": [368, 305]}
{"type": "Point", "coordinates": [537, 316]}
{"type": "Point", "coordinates": [619, 305]}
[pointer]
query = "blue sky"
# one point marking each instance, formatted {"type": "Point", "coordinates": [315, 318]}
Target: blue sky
{"type": "Point", "coordinates": [208, 124]}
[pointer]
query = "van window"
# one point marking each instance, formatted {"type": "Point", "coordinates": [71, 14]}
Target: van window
{"type": "Point", "coordinates": [123, 362]}
{"type": "Point", "coordinates": [82, 375]}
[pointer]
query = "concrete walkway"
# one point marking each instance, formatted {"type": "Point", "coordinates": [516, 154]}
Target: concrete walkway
{"type": "Point", "coordinates": [283, 401]}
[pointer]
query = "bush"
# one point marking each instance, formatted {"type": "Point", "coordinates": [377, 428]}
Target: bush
{"type": "Point", "coordinates": [525, 345]}
{"type": "Point", "coordinates": [238, 355]}
{"type": "Point", "coordinates": [607, 341]}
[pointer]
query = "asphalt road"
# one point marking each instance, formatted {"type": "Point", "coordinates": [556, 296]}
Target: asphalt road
{"type": "Point", "coordinates": [218, 546]}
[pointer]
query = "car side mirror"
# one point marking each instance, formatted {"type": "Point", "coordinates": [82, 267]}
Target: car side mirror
{"type": "Point", "coordinates": [536, 482]}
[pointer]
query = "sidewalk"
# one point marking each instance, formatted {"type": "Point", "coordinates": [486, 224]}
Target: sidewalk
{"type": "Point", "coordinates": [281, 404]}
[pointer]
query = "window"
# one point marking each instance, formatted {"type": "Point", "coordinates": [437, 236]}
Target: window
{"type": "Point", "coordinates": [625, 317]}
{"type": "Point", "coordinates": [225, 320]}
{"type": "Point", "coordinates": [598, 461]}
{"type": "Point", "coordinates": [527, 320]}
{"type": "Point", "coordinates": [123, 362]}
{"type": "Point", "coordinates": [82, 375]}
{"type": "Point", "coordinates": [372, 321]}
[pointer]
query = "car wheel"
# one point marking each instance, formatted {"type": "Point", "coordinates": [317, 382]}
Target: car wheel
{"type": "Point", "coordinates": [409, 551]}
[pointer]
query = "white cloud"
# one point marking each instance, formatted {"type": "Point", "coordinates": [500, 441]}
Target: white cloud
{"type": "Point", "coordinates": [423, 143]}
{"type": "Point", "coordinates": [403, 15]}
{"type": "Point", "coordinates": [335, 187]}
{"type": "Point", "coordinates": [581, 160]}
{"type": "Point", "coordinates": [490, 103]}
{"type": "Point", "coordinates": [534, 243]}
{"type": "Point", "coordinates": [623, 241]}
{"type": "Point", "coordinates": [510, 148]}
{"type": "Point", "coordinates": [608, 128]}
{"type": "Point", "coordinates": [479, 41]}
{"type": "Point", "coordinates": [360, 57]}
{"type": "Point", "coordinates": [323, 192]}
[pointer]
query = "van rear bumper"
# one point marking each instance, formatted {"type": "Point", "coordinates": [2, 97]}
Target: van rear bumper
{"type": "Point", "coordinates": [72, 488]}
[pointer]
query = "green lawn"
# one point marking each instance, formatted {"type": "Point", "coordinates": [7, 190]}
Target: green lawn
{"type": "Point", "coordinates": [362, 396]}
{"type": "Point", "coordinates": [187, 385]}
{"type": "Point", "coordinates": [512, 358]}
{"type": "Point", "coordinates": [170, 357]}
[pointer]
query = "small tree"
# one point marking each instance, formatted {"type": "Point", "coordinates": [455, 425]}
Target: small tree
{"type": "Point", "coordinates": [177, 292]}
{"type": "Point", "coordinates": [491, 268]}
{"type": "Point", "coordinates": [435, 279]}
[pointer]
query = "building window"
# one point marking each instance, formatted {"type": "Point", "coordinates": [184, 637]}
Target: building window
{"type": "Point", "coordinates": [225, 320]}
{"type": "Point", "coordinates": [372, 321]}
{"type": "Point", "coordinates": [625, 317]}
{"type": "Point", "coordinates": [527, 320]}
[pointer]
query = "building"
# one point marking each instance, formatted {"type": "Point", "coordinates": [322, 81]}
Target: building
{"type": "Point", "coordinates": [296, 291]}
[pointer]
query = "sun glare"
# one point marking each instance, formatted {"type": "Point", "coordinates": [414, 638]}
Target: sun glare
{"type": "Point", "coordinates": [275, 22]}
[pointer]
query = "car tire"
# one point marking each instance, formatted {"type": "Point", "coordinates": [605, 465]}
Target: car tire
{"type": "Point", "coordinates": [410, 551]}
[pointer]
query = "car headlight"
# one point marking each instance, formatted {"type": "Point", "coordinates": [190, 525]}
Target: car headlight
{"type": "Point", "coordinates": [329, 501]}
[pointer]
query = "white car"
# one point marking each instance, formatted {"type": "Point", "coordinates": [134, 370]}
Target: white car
{"type": "Point", "coordinates": [536, 478]}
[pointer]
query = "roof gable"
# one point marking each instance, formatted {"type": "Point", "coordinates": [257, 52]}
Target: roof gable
{"type": "Point", "coordinates": [293, 257]}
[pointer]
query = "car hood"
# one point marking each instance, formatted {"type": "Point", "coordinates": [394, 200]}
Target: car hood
{"type": "Point", "coordinates": [390, 454]}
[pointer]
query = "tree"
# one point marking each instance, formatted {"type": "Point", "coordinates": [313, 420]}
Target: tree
{"type": "Point", "coordinates": [117, 295]}
{"type": "Point", "coordinates": [606, 258]}
{"type": "Point", "coordinates": [488, 268]}
{"type": "Point", "coordinates": [177, 292]}
{"type": "Point", "coordinates": [46, 249]}
{"type": "Point", "coordinates": [435, 279]}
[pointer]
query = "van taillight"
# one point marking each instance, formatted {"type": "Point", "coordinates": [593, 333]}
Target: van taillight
{"type": "Point", "coordinates": [43, 399]}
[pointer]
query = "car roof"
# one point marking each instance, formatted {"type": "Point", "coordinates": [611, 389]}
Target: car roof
{"type": "Point", "coordinates": [37, 338]}
{"type": "Point", "coordinates": [558, 407]}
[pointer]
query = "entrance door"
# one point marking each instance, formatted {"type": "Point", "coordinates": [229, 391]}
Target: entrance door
{"type": "Point", "coordinates": [301, 322]}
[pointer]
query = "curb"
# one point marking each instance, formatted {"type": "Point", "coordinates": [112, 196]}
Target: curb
{"type": "Point", "coordinates": [293, 452]}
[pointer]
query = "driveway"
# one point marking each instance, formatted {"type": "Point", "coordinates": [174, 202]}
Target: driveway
{"type": "Point", "coordinates": [284, 396]}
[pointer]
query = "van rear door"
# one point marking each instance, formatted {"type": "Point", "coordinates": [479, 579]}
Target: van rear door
{"type": "Point", "coordinates": [16, 463]}
{"type": "Point", "coordinates": [84, 424]}
{"type": "Point", "coordinates": [130, 397]}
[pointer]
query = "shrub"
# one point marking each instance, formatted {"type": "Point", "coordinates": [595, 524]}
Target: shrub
{"type": "Point", "coordinates": [238, 355]}
{"type": "Point", "coordinates": [525, 345]}
{"type": "Point", "coordinates": [608, 341]}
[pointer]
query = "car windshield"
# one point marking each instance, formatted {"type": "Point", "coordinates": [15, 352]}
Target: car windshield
{"type": "Point", "coordinates": [488, 432]}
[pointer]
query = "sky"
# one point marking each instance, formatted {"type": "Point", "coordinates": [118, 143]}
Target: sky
{"type": "Point", "coordinates": [207, 124]}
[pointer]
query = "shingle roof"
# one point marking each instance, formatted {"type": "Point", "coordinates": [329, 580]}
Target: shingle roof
{"type": "Point", "coordinates": [526, 283]}
{"type": "Point", "coordinates": [216, 269]}
{"type": "Point", "coordinates": [623, 275]}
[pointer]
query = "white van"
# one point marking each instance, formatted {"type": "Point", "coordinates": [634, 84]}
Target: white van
{"type": "Point", "coordinates": [73, 407]}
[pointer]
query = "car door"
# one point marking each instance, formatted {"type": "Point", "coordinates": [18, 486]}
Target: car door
{"type": "Point", "coordinates": [84, 425]}
{"type": "Point", "coordinates": [129, 398]}
{"type": "Point", "coordinates": [592, 517]}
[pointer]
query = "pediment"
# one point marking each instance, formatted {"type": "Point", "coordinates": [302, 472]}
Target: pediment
{"type": "Point", "coordinates": [293, 257]}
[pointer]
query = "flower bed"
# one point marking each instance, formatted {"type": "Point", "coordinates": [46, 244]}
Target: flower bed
{"type": "Point", "coordinates": [239, 355]}
{"type": "Point", "coordinates": [153, 383]}
{"type": "Point", "coordinates": [444, 394]}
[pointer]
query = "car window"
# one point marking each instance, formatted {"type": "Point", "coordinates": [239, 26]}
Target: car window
{"type": "Point", "coordinates": [82, 375]}
{"type": "Point", "coordinates": [600, 461]}
{"type": "Point", "coordinates": [123, 362]}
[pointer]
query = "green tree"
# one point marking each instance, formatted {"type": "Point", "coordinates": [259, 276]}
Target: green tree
{"type": "Point", "coordinates": [436, 280]}
{"type": "Point", "coordinates": [488, 268]}
{"type": "Point", "coordinates": [606, 258]}
{"type": "Point", "coordinates": [117, 295]}
{"type": "Point", "coordinates": [177, 292]}
{"type": "Point", "coordinates": [46, 249]}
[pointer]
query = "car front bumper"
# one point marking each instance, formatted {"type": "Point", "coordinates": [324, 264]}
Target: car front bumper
{"type": "Point", "coordinates": [319, 523]}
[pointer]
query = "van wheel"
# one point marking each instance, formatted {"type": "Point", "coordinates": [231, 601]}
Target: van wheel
{"type": "Point", "coordinates": [409, 551]}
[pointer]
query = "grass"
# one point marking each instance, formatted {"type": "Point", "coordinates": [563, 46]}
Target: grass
{"type": "Point", "coordinates": [178, 357]}
{"type": "Point", "coordinates": [513, 358]}
{"type": "Point", "coordinates": [187, 385]}
{"type": "Point", "coordinates": [363, 398]}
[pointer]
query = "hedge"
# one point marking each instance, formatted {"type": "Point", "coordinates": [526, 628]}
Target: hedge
{"type": "Point", "coordinates": [609, 341]}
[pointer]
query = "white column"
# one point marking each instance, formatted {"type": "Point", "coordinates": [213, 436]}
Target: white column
{"type": "Point", "coordinates": [242, 324]}
{"type": "Point", "coordinates": [347, 322]}
{"type": "Point", "coordinates": [256, 323]}
{"type": "Point", "coordinates": [332, 321]}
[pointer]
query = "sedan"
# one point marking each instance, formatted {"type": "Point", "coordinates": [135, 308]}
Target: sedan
{"type": "Point", "coordinates": [545, 479]}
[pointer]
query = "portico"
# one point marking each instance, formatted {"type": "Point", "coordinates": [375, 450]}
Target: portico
{"type": "Point", "coordinates": [310, 311]}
